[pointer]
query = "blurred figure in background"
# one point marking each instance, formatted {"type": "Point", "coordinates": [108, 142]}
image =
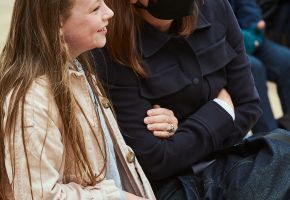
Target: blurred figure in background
{"type": "Point", "coordinates": [269, 61]}
{"type": "Point", "coordinates": [277, 15]}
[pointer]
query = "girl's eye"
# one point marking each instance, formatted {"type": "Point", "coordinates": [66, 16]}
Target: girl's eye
{"type": "Point", "coordinates": [96, 9]}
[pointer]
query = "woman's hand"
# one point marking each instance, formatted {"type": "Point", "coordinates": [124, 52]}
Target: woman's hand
{"type": "Point", "coordinates": [161, 122]}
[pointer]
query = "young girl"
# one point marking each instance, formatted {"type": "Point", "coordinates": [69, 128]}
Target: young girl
{"type": "Point", "coordinates": [59, 138]}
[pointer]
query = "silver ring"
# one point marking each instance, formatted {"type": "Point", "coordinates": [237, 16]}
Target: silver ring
{"type": "Point", "coordinates": [172, 128]}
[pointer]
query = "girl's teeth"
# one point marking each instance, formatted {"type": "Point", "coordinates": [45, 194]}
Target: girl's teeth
{"type": "Point", "coordinates": [103, 29]}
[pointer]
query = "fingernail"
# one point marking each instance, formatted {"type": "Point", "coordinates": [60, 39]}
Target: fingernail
{"type": "Point", "coordinates": [149, 126]}
{"type": "Point", "coordinates": [146, 120]}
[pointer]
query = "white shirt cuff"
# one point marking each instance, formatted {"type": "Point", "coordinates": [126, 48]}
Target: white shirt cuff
{"type": "Point", "coordinates": [226, 107]}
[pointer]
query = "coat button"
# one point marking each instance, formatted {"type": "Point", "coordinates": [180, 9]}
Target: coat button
{"type": "Point", "coordinates": [130, 157]}
{"type": "Point", "coordinates": [195, 81]}
{"type": "Point", "coordinates": [105, 103]}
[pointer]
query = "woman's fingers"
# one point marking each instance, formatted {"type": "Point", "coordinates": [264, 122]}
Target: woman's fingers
{"type": "Point", "coordinates": [159, 111]}
{"type": "Point", "coordinates": [163, 130]}
{"type": "Point", "coordinates": [158, 127]}
{"type": "Point", "coordinates": [161, 122]}
{"type": "Point", "coordinates": [162, 134]}
{"type": "Point", "coordinates": [158, 119]}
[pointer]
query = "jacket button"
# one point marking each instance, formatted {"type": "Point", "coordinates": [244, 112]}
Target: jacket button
{"type": "Point", "coordinates": [105, 103]}
{"type": "Point", "coordinates": [195, 81]}
{"type": "Point", "coordinates": [130, 157]}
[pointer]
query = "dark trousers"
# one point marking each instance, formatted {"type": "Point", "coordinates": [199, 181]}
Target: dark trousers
{"type": "Point", "coordinates": [271, 62]}
{"type": "Point", "coordinates": [259, 169]}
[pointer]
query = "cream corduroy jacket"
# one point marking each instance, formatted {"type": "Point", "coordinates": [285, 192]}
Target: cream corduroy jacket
{"type": "Point", "coordinates": [50, 166]}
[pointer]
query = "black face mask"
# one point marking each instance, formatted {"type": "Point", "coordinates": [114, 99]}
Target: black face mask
{"type": "Point", "coordinates": [169, 9]}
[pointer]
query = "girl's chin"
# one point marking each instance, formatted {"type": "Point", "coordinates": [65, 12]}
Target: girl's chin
{"type": "Point", "coordinates": [100, 43]}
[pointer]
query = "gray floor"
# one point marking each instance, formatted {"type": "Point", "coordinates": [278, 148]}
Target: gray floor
{"type": "Point", "coordinates": [5, 15]}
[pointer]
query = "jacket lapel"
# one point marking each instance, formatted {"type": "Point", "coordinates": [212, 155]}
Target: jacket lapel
{"type": "Point", "coordinates": [129, 167]}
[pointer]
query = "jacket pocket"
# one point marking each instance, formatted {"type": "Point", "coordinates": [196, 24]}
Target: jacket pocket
{"type": "Point", "coordinates": [215, 57]}
{"type": "Point", "coordinates": [213, 62]}
{"type": "Point", "coordinates": [163, 83]}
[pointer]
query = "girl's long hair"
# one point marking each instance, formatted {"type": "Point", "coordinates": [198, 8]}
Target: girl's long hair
{"type": "Point", "coordinates": [125, 28]}
{"type": "Point", "coordinates": [35, 47]}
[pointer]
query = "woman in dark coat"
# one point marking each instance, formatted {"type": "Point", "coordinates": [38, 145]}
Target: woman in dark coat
{"type": "Point", "coordinates": [187, 56]}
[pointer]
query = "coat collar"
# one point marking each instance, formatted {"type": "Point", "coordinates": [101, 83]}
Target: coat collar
{"type": "Point", "coordinates": [152, 39]}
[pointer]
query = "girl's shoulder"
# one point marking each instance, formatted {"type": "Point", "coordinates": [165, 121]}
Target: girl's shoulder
{"type": "Point", "coordinates": [40, 91]}
{"type": "Point", "coordinates": [38, 104]}
{"type": "Point", "coordinates": [40, 88]}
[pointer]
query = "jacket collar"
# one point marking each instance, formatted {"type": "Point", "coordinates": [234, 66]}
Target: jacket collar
{"type": "Point", "coordinates": [152, 39]}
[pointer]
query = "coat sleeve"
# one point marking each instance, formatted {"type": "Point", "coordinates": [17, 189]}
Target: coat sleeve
{"type": "Point", "coordinates": [45, 153]}
{"type": "Point", "coordinates": [240, 81]}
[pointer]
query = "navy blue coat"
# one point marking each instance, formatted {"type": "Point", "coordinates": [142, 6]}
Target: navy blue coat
{"type": "Point", "coordinates": [184, 75]}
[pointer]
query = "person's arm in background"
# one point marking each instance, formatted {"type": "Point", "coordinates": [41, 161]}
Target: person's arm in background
{"type": "Point", "coordinates": [248, 13]}
{"type": "Point", "coordinates": [249, 16]}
